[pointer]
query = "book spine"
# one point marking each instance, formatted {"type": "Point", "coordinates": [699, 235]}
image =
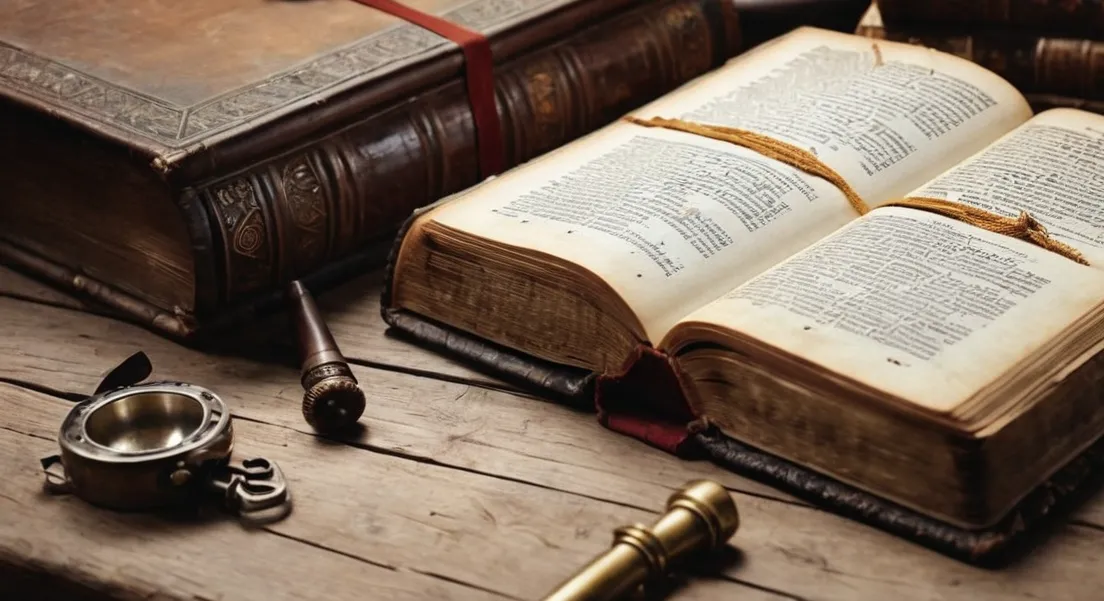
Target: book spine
{"type": "Point", "coordinates": [1065, 18]}
{"type": "Point", "coordinates": [1071, 68]}
{"type": "Point", "coordinates": [295, 213]}
{"type": "Point", "coordinates": [1042, 102]}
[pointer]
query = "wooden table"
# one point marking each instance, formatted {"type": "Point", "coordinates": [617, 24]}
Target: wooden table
{"type": "Point", "coordinates": [458, 488]}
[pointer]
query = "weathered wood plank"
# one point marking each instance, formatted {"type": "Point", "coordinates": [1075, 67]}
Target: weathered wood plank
{"type": "Point", "coordinates": [801, 551]}
{"type": "Point", "coordinates": [430, 527]}
{"type": "Point", "coordinates": [351, 311]}
{"type": "Point", "coordinates": [447, 420]}
{"type": "Point", "coordinates": [17, 285]}
{"type": "Point", "coordinates": [461, 425]}
{"type": "Point", "coordinates": [136, 556]}
{"type": "Point", "coordinates": [485, 532]}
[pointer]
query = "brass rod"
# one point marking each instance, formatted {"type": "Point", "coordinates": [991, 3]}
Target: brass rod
{"type": "Point", "coordinates": [701, 516]}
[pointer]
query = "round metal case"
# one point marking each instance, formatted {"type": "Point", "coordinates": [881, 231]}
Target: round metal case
{"type": "Point", "coordinates": [156, 445]}
{"type": "Point", "coordinates": [144, 446]}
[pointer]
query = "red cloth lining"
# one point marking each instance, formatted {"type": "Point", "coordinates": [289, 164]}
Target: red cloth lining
{"type": "Point", "coordinates": [479, 76]}
{"type": "Point", "coordinates": [646, 402]}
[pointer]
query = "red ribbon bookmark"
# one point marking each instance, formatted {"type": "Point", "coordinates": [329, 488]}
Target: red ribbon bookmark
{"type": "Point", "coordinates": [479, 76]}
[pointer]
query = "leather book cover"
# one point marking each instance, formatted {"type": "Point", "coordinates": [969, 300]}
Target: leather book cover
{"type": "Point", "coordinates": [182, 82]}
{"type": "Point", "coordinates": [646, 402]}
{"type": "Point", "coordinates": [1060, 18]}
{"type": "Point", "coordinates": [180, 161]}
{"type": "Point", "coordinates": [1042, 102]}
{"type": "Point", "coordinates": [1034, 64]}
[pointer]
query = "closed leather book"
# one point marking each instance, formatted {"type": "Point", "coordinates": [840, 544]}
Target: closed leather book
{"type": "Point", "coordinates": [179, 161]}
{"type": "Point", "coordinates": [1043, 102]}
{"type": "Point", "coordinates": [1062, 18]}
{"type": "Point", "coordinates": [1036, 65]}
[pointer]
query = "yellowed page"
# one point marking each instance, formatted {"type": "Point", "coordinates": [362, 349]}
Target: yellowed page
{"type": "Point", "coordinates": [672, 220]}
{"type": "Point", "coordinates": [920, 306]}
{"type": "Point", "coordinates": [840, 96]}
{"type": "Point", "coordinates": [1051, 167]}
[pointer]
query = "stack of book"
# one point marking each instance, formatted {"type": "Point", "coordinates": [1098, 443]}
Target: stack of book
{"type": "Point", "coordinates": [179, 163]}
{"type": "Point", "coordinates": [1051, 50]}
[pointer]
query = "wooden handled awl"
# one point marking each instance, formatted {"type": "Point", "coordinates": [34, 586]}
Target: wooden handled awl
{"type": "Point", "coordinates": [333, 399]}
{"type": "Point", "coordinates": [700, 517]}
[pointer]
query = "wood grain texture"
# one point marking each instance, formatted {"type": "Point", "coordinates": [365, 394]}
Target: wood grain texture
{"type": "Point", "coordinates": [430, 420]}
{"type": "Point", "coordinates": [409, 492]}
{"type": "Point", "coordinates": [17, 285]}
{"type": "Point", "coordinates": [416, 530]}
{"type": "Point", "coordinates": [143, 557]}
{"type": "Point", "coordinates": [461, 408]}
{"type": "Point", "coordinates": [351, 310]}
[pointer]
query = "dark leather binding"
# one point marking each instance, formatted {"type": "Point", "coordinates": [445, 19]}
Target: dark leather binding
{"type": "Point", "coordinates": [220, 184]}
{"type": "Point", "coordinates": [1066, 18]}
{"type": "Point", "coordinates": [1042, 102]}
{"type": "Point", "coordinates": [1034, 64]}
{"type": "Point", "coordinates": [418, 152]}
{"type": "Point", "coordinates": [990, 546]}
{"type": "Point", "coordinates": [761, 21]}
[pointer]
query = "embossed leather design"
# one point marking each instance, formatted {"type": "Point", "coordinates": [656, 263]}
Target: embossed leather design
{"type": "Point", "coordinates": [282, 217]}
{"type": "Point", "coordinates": [170, 75]}
{"type": "Point", "coordinates": [289, 170]}
{"type": "Point", "coordinates": [294, 135]}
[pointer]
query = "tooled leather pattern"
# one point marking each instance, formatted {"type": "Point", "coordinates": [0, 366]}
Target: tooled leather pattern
{"type": "Point", "coordinates": [287, 216]}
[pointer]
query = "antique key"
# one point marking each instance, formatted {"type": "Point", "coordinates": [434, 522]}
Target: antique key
{"type": "Point", "coordinates": [701, 516]}
{"type": "Point", "coordinates": [255, 490]}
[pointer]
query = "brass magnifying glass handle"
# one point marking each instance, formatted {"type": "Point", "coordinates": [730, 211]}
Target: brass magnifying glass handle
{"type": "Point", "coordinates": [700, 517]}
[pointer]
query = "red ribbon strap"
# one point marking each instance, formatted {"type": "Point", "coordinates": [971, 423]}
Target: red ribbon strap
{"type": "Point", "coordinates": [479, 76]}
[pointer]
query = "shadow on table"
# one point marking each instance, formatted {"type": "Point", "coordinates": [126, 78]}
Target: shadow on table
{"type": "Point", "coordinates": [710, 566]}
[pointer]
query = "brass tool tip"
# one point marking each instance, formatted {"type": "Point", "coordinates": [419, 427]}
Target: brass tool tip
{"type": "Point", "coordinates": [332, 400]}
{"type": "Point", "coordinates": [701, 516]}
{"type": "Point", "coordinates": [713, 504]}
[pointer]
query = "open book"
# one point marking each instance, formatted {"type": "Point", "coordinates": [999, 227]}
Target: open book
{"type": "Point", "coordinates": [923, 359]}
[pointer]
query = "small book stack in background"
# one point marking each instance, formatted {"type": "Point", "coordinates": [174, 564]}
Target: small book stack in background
{"type": "Point", "coordinates": [1052, 50]}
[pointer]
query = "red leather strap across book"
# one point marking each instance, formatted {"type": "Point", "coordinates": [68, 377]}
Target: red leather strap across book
{"type": "Point", "coordinates": [478, 74]}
